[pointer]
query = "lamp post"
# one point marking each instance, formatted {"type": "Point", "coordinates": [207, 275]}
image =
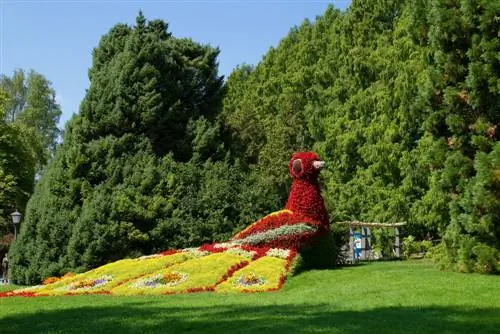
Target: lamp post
{"type": "Point", "coordinates": [16, 219]}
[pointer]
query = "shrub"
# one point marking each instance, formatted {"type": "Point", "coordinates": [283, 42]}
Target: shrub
{"type": "Point", "coordinates": [426, 245]}
{"type": "Point", "coordinates": [327, 252]}
{"type": "Point", "coordinates": [486, 259]}
{"type": "Point", "coordinates": [383, 242]}
{"type": "Point", "coordinates": [410, 246]}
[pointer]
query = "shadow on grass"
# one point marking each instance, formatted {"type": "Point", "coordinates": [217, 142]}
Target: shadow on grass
{"type": "Point", "coordinates": [150, 318]}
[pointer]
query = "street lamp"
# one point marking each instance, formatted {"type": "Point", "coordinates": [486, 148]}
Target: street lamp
{"type": "Point", "coordinates": [16, 219]}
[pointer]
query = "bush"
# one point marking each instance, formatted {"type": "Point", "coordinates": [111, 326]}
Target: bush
{"type": "Point", "coordinates": [426, 245]}
{"type": "Point", "coordinates": [383, 242]}
{"type": "Point", "coordinates": [486, 259]}
{"type": "Point", "coordinates": [327, 251]}
{"type": "Point", "coordinates": [410, 246]}
{"type": "Point", "coordinates": [436, 252]}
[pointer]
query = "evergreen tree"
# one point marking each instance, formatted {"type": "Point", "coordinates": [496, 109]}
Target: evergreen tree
{"type": "Point", "coordinates": [149, 115]}
{"type": "Point", "coordinates": [400, 98]}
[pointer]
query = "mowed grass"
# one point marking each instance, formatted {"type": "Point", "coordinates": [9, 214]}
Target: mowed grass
{"type": "Point", "coordinates": [382, 297]}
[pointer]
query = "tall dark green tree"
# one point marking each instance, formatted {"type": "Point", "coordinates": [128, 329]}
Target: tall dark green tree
{"type": "Point", "coordinates": [151, 105]}
{"type": "Point", "coordinates": [464, 38]}
{"type": "Point", "coordinates": [401, 99]}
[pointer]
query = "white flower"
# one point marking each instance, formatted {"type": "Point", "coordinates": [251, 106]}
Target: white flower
{"type": "Point", "coordinates": [241, 252]}
{"type": "Point", "coordinates": [224, 245]}
{"type": "Point", "coordinates": [279, 253]}
{"type": "Point", "coordinates": [195, 251]}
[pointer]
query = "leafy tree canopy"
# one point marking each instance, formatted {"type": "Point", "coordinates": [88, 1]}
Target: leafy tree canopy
{"type": "Point", "coordinates": [32, 106]}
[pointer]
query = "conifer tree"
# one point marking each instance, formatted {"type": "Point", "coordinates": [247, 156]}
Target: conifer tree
{"type": "Point", "coordinates": [149, 110]}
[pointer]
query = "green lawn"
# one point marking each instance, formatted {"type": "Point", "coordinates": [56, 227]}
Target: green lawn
{"type": "Point", "coordinates": [382, 297]}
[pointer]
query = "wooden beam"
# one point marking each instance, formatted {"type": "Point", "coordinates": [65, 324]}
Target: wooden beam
{"type": "Point", "coordinates": [356, 223]}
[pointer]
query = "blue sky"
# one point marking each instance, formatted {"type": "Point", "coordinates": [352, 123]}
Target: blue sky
{"type": "Point", "coordinates": [56, 37]}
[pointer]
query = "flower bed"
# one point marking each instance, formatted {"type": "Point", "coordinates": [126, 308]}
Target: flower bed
{"type": "Point", "coordinates": [225, 267]}
{"type": "Point", "coordinates": [120, 272]}
{"type": "Point", "coordinates": [263, 274]}
{"type": "Point", "coordinates": [162, 280]}
{"type": "Point", "coordinates": [200, 273]}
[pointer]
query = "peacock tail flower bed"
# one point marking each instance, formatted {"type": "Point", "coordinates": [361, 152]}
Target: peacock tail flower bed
{"type": "Point", "coordinates": [200, 273]}
{"type": "Point", "coordinates": [85, 286]}
{"type": "Point", "coordinates": [121, 271]}
{"type": "Point", "coordinates": [259, 258]}
{"type": "Point", "coordinates": [268, 219]}
{"type": "Point", "coordinates": [160, 280]}
{"type": "Point", "coordinates": [250, 280]}
{"type": "Point", "coordinates": [50, 280]}
{"type": "Point", "coordinates": [260, 275]}
{"type": "Point", "coordinates": [224, 267]}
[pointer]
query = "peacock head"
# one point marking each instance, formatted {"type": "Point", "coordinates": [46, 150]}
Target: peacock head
{"type": "Point", "coordinates": [305, 165]}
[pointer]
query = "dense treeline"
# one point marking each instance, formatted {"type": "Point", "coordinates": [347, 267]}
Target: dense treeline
{"type": "Point", "coordinates": [399, 97]}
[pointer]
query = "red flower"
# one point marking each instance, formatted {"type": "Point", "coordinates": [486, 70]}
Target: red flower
{"type": "Point", "coordinates": [231, 271]}
{"type": "Point", "coordinates": [207, 288]}
{"type": "Point", "coordinates": [17, 294]}
{"type": "Point", "coordinates": [210, 248]}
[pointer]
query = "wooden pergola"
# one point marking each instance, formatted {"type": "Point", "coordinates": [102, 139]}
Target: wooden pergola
{"type": "Point", "coordinates": [366, 236]}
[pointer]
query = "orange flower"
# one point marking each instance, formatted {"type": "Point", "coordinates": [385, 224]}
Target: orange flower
{"type": "Point", "coordinates": [69, 274]}
{"type": "Point", "coordinates": [171, 277]}
{"type": "Point", "coordinates": [50, 280]}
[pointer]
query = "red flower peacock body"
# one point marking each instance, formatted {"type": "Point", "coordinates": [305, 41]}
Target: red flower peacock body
{"type": "Point", "coordinates": [304, 216]}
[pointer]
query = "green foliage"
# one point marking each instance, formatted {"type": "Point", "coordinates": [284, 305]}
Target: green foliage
{"type": "Point", "coordinates": [327, 251]}
{"type": "Point", "coordinates": [17, 171]}
{"type": "Point", "coordinates": [382, 242]}
{"type": "Point", "coordinates": [473, 236]}
{"type": "Point", "coordinates": [437, 253]}
{"type": "Point", "coordinates": [32, 106]}
{"type": "Point", "coordinates": [400, 98]}
{"type": "Point", "coordinates": [410, 246]}
{"type": "Point", "coordinates": [28, 134]}
{"type": "Point", "coordinates": [426, 246]}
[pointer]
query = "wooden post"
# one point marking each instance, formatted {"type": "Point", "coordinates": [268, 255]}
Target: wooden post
{"type": "Point", "coordinates": [351, 243]}
{"type": "Point", "coordinates": [363, 243]}
{"type": "Point", "coordinates": [398, 243]}
{"type": "Point", "coordinates": [369, 242]}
